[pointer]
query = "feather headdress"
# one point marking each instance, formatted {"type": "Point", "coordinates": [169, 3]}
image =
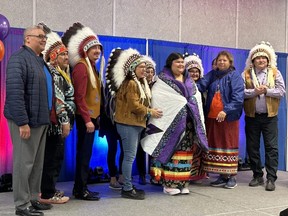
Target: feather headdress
{"type": "Point", "coordinates": [122, 63]}
{"type": "Point", "coordinates": [79, 39]}
{"type": "Point", "coordinates": [262, 49]}
{"type": "Point", "coordinates": [193, 61]}
{"type": "Point", "coordinates": [54, 45]}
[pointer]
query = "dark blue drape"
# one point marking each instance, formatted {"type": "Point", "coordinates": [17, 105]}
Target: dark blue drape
{"type": "Point", "coordinates": [282, 116]}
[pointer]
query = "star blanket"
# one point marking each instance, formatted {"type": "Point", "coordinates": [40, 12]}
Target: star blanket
{"type": "Point", "coordinates": [163, 135]}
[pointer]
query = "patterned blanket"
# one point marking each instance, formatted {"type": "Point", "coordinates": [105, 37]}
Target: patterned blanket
{"type": "Point", "coordinates": [163, 135]}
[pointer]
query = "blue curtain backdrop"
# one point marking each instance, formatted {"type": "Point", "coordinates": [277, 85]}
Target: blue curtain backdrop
{"type": "Point", "coordinates": [159, 51]}
{"type": "Point", "coordinates": [282, 115]}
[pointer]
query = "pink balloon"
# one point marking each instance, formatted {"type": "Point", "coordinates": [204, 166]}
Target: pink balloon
{"type": "Point", "coordinates": [2, 50]}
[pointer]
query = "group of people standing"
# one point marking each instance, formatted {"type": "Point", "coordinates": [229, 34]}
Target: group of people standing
{"type": "Point", "coordinates": [258, 89]}
{"type": "Point", "coordinates": [186, 121]}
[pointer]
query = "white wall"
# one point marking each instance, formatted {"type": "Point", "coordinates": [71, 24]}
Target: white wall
{"type": "Point", "coordinates": [226, 23]}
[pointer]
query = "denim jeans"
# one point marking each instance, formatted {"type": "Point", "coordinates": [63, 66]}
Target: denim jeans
{"type": "Point", "coordinates": [130, 136]}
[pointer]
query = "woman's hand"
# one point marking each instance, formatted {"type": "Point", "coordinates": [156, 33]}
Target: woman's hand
{"type": "Point", "coordinates": [221, 116]}
{"type": "Point", "coordinates": [156, 113]}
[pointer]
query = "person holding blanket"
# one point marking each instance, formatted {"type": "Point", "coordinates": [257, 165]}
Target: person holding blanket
{"type": "Point", "coordinates": [170, 139]}
{"type": "Point", "coordinates": [125, 76]}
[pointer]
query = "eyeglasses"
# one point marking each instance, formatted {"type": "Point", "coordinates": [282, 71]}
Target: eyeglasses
{"type": "Point", "coordinates": [41, 37]}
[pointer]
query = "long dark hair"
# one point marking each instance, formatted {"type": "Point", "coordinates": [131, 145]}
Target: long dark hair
{"type": "Point", "coordinates": [171, 58]}
{"type": "Point", "coordinates": [174, 56]}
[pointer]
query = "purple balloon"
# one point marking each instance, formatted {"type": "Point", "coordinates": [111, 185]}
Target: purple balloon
{"type": "Point", "coordinates": [4, 27]}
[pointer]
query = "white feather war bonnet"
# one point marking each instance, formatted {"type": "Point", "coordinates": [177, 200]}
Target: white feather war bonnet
{"type": "Point", "coordinates": [79, 39]}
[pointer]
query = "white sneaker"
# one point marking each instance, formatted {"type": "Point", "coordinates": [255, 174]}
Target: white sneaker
{"type": "Point", "coordinates": [171, 191]}
{"type": "Point", "coordinates": [185, 191]}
